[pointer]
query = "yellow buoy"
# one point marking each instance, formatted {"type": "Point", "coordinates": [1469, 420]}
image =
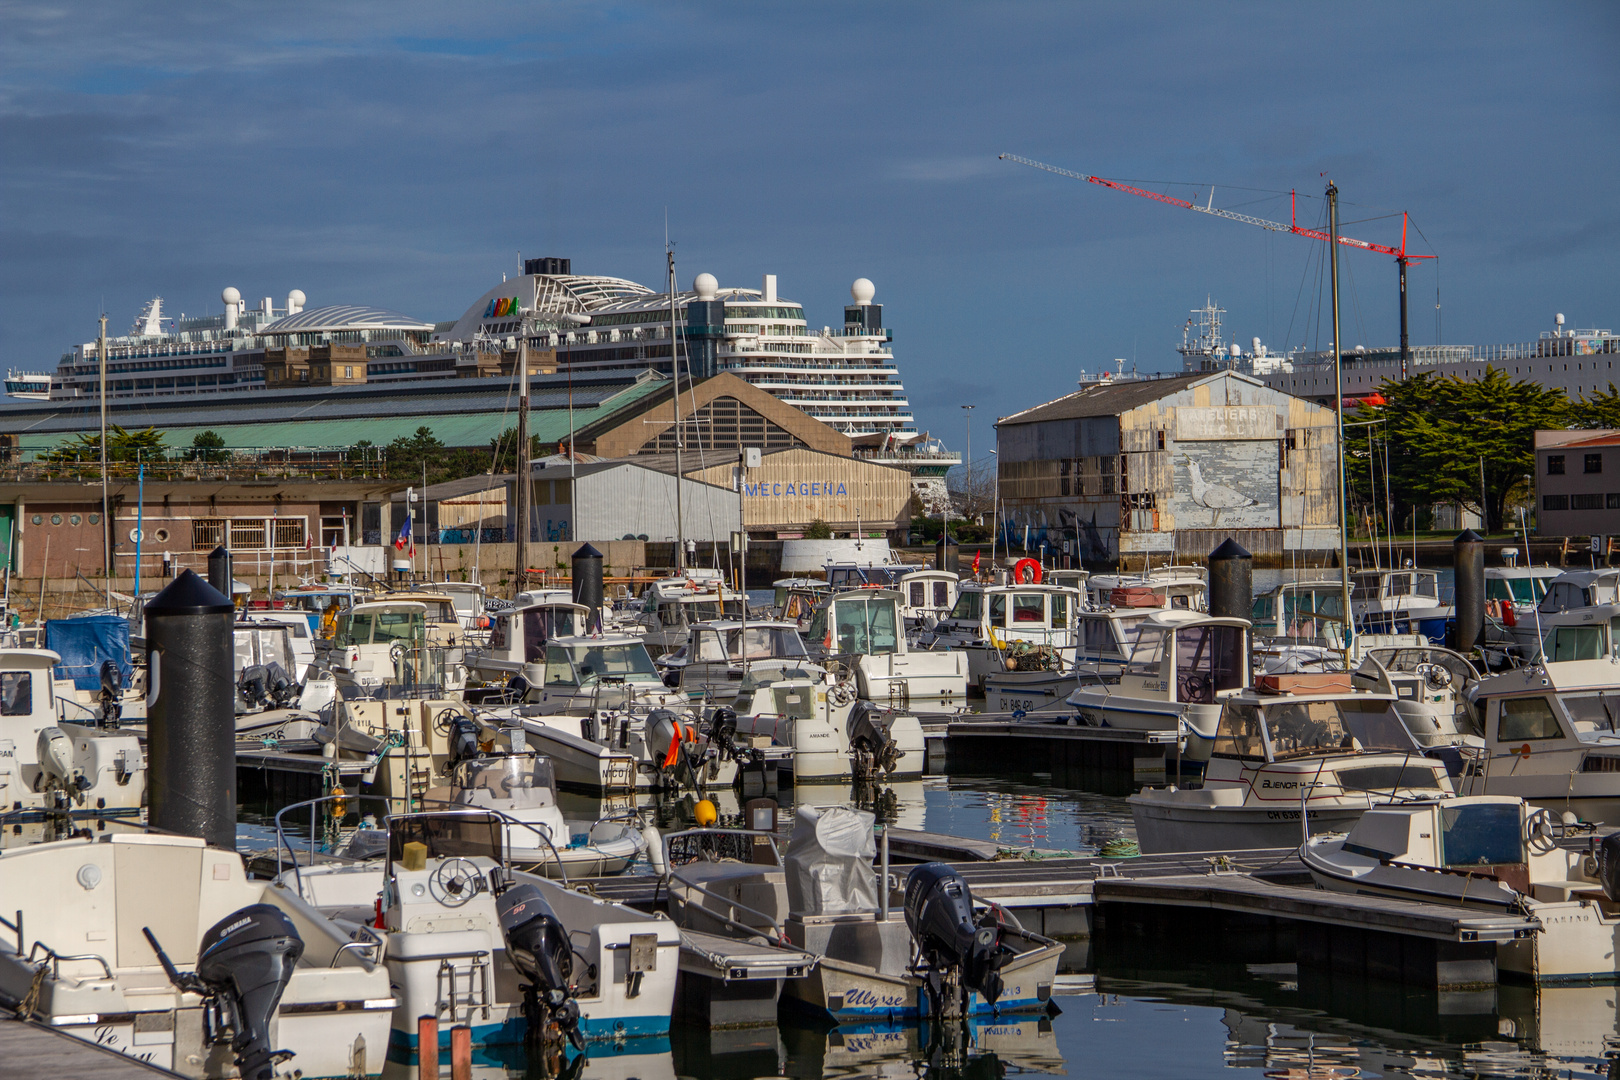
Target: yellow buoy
{"type": "Point", "coordinates": [705, 813]}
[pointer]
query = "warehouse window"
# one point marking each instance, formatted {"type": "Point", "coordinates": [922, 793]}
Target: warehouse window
{"type": "Point", "coordinates": [1586, 502]}
{"type": "Point", "coordinates": [1594, 463]}
{"type": "Point", "coordinates": [1555, 464]}
{"type": "Point", "coordinates": [1555, 502]}
{"type": "Point", "coordinates": [725, 424]}
{"type": "Point", "coordinates": [250, 534]}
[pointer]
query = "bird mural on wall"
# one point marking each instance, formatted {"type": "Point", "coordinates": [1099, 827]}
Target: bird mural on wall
{"type": "Point", "coordinates": [1215, 497]}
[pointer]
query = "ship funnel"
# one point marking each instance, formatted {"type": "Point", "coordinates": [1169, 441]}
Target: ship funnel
{"type": "Point", "coordinates": [770, 288]}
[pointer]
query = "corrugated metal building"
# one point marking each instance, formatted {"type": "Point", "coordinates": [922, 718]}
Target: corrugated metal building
{"type": "Point", "coordinates": [792, 488]}
{"type": "Point", "coordinates": [1171, 466]}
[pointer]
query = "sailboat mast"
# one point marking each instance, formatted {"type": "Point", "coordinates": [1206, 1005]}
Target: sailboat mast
{"type": "Point", "coordinates": [675, 369]}
{"type": "Point", "coordinates": [522, 488]}
{"type": "Point", "coordinates": [1338, 412]}
{"type": "Point", "coordinates": [106, 519]}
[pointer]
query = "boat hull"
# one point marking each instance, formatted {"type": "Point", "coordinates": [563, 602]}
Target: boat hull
{"type": "Point", "coordinates": [1163, 827]}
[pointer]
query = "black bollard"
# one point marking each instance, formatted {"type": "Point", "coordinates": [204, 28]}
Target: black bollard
{"type": "Point", "coordinates": [1231, 580]}
{"type": "Point", "coordinates": [220, 571]}
{"type": "Point", "coordinates": [1468, 598]}
{"type": "Point", "coordinates": [945, 555]}
{"type": "Point", "coordinates": [191, 718]}
{"type": "Point", "coordinates": [587, 570]}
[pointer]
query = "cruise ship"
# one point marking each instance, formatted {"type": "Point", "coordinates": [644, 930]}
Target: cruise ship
{"type": "Point", "coordinates": [845, 376]}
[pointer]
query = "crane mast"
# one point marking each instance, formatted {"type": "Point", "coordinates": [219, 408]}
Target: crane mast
{"type": "Point", "coordinates": [1402, 259]}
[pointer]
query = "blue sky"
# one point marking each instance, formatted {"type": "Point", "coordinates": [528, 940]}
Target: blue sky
{"type": "Point", "coordinates": [401, 154]}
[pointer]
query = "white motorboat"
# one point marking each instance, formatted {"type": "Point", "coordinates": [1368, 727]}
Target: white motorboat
{"type": "Point", "coordinates": [383, 646]}
{"type": "Point", "coordinates": [521, 787]}
{"type": "Point", "coordinates": [886, 957]}
{"type": "Point", "coordinates": [1398, 601]}
{"type": "Point", "coordinates": [1345, 751]}
{"type": "Point", "coordinates": [927, 596]}
{"type": "Point", "coordinates": [628, 747]}
{"type": "Point", "coordinates": [518, 637]}
{"type": "Point", "coordinates": [716, 654]}
{"type": "Point", "coordinates": [1575, 601]}
{"type": "Point", "coordinates": [861, 629]}
{"type": "Point", "coordinates": [1490, 852]}
{"type": "Point", "coordinates": [469, 941]}
{"type": "Point", "coordinates": [1184, 665]}
{"type": "Point", "coordinates": [81, 957]}
{"type": "Point", "coordinates": [832, 735]}
{"type": "Point", "coordinates": [1104, 640]}
{"type": "Point", "coordinates": [48, 764]}
{"type": "Point", "coordinates": [1552, 734]}
{"type": "Point", "coordinates": [670, 605]}
{"type": "Point", "coordinates": [989, 620]}
{"type": "Point", "coordinates": [582, 675]}
{"type": "Point", "coordinates": [1431, 687]}
{"type": "Point", "coordinates": [1161, 587]}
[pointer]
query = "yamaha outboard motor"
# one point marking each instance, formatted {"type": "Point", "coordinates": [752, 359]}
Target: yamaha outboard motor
{"type": "Point", "coordinates": [251, 687]}
{"type": "Point", "coordinates": [279, 687]}
{"type": "Point", "coordinates": [537, 945]}
{"type": "Point", "coordinates": [243, 967]}
{"type": "Point", "coordinates": [939, 914]}
{"type": "Point", "coordinates": [869, 737]}
{"type": "Point", "coordinates": [723, 735]}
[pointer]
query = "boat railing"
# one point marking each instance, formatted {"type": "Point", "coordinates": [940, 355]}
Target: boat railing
{"type": "Point", "coordinates": [510, 821]}
{"type": "Point", "coordinates": [735, 840]}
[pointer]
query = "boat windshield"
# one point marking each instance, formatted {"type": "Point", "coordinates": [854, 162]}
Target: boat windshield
{"type": "Point", "coordinates": [853, 577]}
{"type": "Point", "coordinates": [446, 835]}
{"type": "Point", "coordinates": [1305, 613]}
{"type": "Point", "coordinates": [1239, 733]}
{"type": "Point", "coordinates": [521, 783]}
{"type": "Point", "coordinates": [1481, 835]}
{"type": "Point", "coordinates": [1520, 590]}
{"type": "Point", "coordinates": [1578, 642]}
{"type": "Point", "coordinates": [857, 625]}
{"type": "Point", "coordinates": [1310, 727]}
{"type": "Point", "coordinates": [968, 606]}
{"type": "Point", "coordinates": [378, 627]}
{"type": "Point", "coordinates": [583, 665]}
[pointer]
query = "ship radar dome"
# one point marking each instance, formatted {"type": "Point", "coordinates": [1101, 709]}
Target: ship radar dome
{"type": "Point", "coordinates": [231, 295]}
{"type": "Point", "coordinates": [295, 300]}
{"type": "Point", "coordinates": [862, 291]}
{"type": "Point", "coordinates": [706, 286]}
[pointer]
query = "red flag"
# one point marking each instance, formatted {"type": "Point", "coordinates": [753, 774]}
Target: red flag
{"type": "Point", "coordinates": [976, 556]}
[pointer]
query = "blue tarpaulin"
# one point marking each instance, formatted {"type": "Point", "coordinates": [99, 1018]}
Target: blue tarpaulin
{"type": "Point", "coordinates": [85, 642]}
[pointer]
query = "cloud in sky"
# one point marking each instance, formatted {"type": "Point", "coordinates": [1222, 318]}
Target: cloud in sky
{"type": "Point", "coordinates": [402, 154]}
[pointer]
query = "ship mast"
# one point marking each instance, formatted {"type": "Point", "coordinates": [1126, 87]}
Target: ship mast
{"type": "Point", "coordinates": [675, 369]}
{"type": "Point", "coordinates": [1338, 412]}
{"type": "Point", "coordinates": [106, 521]}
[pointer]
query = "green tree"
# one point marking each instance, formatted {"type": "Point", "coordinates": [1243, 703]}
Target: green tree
{"type": "Point", "coordinates": [1599, 411]}
{"type": "Point", "coordinates": [407, 454]}
{"type": "Point", "coordinates": [818, 530]}
{"type": "Point", "coordinates": [1441, 432]}
{"type": "Point", "coordinates": [208, 446]}
{"type": "Point", "coordinates": [503, 450]}
{"type": "Point", "coordinates": [122, 445]}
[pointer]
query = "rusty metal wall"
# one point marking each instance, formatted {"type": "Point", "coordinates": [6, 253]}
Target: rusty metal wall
{"type": "Point", "coordinates": [792, 488]}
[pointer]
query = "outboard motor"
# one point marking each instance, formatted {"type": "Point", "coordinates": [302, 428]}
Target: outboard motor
{"type": "Point", "coordinates": [54, 751]}
{"type": "Point", "coordinates": [243, 967]}
{"type": "Point", "coordinates": [869, 737]}
{"type": "Point", "coordinates": [961, 954]}
{"type": "Point", "coordinates": [463, 739]}
{"type": "Point", "coordinates": [278, 685]}
{"type": "Point", "coordinates": [251, 687]}
{"type": "Point", "coordinates": [537, 945]}
{"type": "Point", "coordinates": [723, 735]}
{"type": "Point", "coordinates": [112, 692]}
{"type": "Point", "coordinates": [1608, 866]}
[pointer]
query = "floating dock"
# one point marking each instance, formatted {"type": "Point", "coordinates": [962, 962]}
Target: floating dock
{"type": "Point", "coordinates": [30, 1050]}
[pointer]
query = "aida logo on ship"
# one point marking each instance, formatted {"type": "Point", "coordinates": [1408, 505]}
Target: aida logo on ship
{"type": "Point", "coordinates": [499, 309]}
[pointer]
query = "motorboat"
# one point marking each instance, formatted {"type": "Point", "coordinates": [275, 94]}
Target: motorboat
{"type": "Point", "coordinates": [521, 787]}
{"type": "Point", "coordinates": [1104, 640]}
{"type": "Point", "coordinates": [1398, 601]}
{"type": "Point", "coordinates": [1431, 687]}
{"type": "Point", "coordinates": [382, 647]}
{"type": "Point", "coordinates": [320, 605]}
{"type": "Point", "coordinates": [990, 620]}
{"type": "Point", "coordinates": [830, 734]}
{"type": "Point", "coordinates": [466, 597]}
{"type": "Point", "coordinates": [49, 764]}
{"type": "Point", "coordinates": [518, 637]}
{"type": "Point", "coordinates": [670, 605]}
{"type": "Point", "coordinates": [927, 596]}
{"type": "Point", "coordinates": [860, 630]}
{"type": "Point", "coordinates": [97, 679]}
{"type": "Point", "coordinates": [1172, 586]}
{"type": "Point", "coordinates": [1344, 751]}
{"type": "Point", "coordinates": [1494, 853]}
{"type": "Point", "coordinates": [717, 654]}
{"type": "Point", "coordinates": [299, 643]}
{"type": "Point", "coordinates": [1183, 667]}
{"type": "Point", "coordinates": [1552, 733]}
{"type": "Point", "coordinates": [582, 675]}
{"type": "Point", "coordinates": [622, 746]}
{"type": "Point", "coordinates": [406, 745]}
{"type": "Point", "coordinates": [1575, 600]}
{"type": "Point", "coordinates": [854, 575]}
{"type": "Point", "coordinates": [149, 943]}
{"type": "Point", "coordinates": [274, 678]}
{"type": "Point", "coordinates": [927, 952]}
{"type": "Point", "coordinates": [469, 941]}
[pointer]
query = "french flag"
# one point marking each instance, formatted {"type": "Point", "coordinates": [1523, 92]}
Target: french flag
{"type": "Point", "coordinates": [403, 540]}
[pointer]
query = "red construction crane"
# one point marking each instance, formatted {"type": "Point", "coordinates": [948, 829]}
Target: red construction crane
{"type": "Point", "coordinates": [1400, 253]}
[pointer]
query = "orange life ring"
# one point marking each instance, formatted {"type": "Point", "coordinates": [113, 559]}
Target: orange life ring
{"type": "Point", "coordinates": [1027, 572]}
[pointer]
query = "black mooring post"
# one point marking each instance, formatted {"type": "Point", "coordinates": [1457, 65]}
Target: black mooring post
{"type": "Point", "coordinates": [1231, 580]}
{"type": "Point", "coordinates": [191, 721]}
{"type": "Point", "coordinates": [1468, 597]}
{"type": "Point", "coordinates": [220, 571]}
{"type": "Point", "coordinates": [587, 571]}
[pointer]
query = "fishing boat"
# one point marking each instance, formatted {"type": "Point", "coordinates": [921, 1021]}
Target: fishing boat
{"type": "Point", "coordinates": [717, 654]}
{"type": "Point", "coordinates": [1493, 853]}
{"type": "Point", "coordinates": [927, 596]}
{"type": "Point", "coordinates": [1344, 751]}
{"type": "Point", "coordinates": [518, 635]}
{"type": "Point", "coordinates": [827, 732]}
{"type": "Point", "coordinates": [1104, 640]}
{"type": "Point", "coordinates": [670, 606]}
{"type": "Point", "coordinates": [990, 620]}
{"type": "Point", "coordinates": [380, 648]}
{"type": "Point", "coordinates": [861, 630]}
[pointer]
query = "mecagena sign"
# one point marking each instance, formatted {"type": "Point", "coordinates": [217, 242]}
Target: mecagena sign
{"type": "Point", "coordinates": [500, 308]}
{"type": "Point", "coordinates": [814, 489]}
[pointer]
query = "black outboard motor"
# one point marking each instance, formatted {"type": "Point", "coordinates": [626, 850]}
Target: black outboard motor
{"type": "Point", "coordinates": [243, 967]}
{"type": "Point", "coordinates": [1608, 866]}
{"type": "Point", "coordinates": [252, 687]}
{"type": "Point", "coordinates": [939, 914]}
{"type": "Point", "coordinates": [869, 737]}
{"type": "Point", "coordinates": [537, 945]}
{"type": "Point", "coordinates": [463, 739]}
{"type": "Point", "coordinates": [112, 692]}
{"type": "Point", "coordinates": [723, 735]}
{"type": "Point", "coordinates": [278, 685]}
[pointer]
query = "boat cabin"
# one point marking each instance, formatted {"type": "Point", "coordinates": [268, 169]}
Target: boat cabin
{"type": "Point", "coordinates": [927, 596]}
{"type": "Point", "coordinates": [1304, 611]}
{"type": "Point", "coordinates": [582, 663]}
{"type": "Point", "coordinates": [321, 605]}
{"type": "Point", "coordinates": [671, 605]}
{"type": "Point", "coordinates": [519, 636]}
{"type": "Point", "coordinates": [1580, 589]}
{"type": "Point", "coordinates": [715, 652]}
{"type": "Point", "coordinates": [859, 576]}
{"type": "Point", "coordinates": [1184, 587]}
{"type": "Point", "coordinates": [1198, 657]}
{"type": "Point", "coordinates": [1043, 614]}
{"type": "Point", "coordinates": [1522, 586]}
{"type": "Point", "coordinates": [1482, 834]}
{"type": "Point", "coordinates": [863, 622]}
{"type": "Point", "coordinates": [1275, 727]}
{"type": "Point", "coordinates": [1105, 639]}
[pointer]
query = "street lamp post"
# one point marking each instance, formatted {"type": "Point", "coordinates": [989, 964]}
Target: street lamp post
{"type": "Point", "coordinates": [577, 319]}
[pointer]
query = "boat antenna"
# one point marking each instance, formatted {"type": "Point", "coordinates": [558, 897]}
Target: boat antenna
{"type": "Point", "coordinates": [675, 370]}
{"type": "Point", "coordinates": [106, 521]}
{"type": "Point", "coordinates": [1535, 602]}
{"type": "Point", "coordinates": [1338, 412]}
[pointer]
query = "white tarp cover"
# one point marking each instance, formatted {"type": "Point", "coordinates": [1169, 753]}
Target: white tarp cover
{"type": "Point", "coordinates": [829, 862]}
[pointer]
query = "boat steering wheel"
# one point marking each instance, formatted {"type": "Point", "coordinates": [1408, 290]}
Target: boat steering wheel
{"type": "Point", "coordinates": [456, 881]}
{"type": "Point", "coordinates": [1542, 831]}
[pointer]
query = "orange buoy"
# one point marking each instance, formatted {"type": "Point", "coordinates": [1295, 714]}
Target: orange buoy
{"type": "Point", "coordinates": [1027, 572]}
